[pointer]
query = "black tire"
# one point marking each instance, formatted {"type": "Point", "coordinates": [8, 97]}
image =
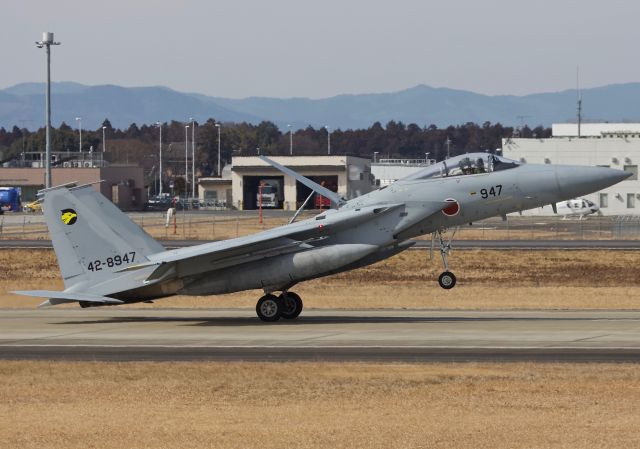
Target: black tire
{"type": "Point", "coordinates": [447, 280]}
{"type": "Point", "coordinates": [291, 305]}
{"type": "Point", "coordinates": [269, 308]}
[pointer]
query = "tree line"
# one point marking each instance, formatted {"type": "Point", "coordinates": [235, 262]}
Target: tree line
{"type": "Point", "coordinates": [140, 144]}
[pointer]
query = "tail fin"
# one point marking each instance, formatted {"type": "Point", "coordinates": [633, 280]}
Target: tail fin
{"type": "Point", "coordinates": [91, 237]}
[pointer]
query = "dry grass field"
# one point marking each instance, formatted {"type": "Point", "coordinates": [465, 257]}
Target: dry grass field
{"type": "Point", "coordinates": [486, 280]}
{"type": "Point", "coordinates": [46, 405]}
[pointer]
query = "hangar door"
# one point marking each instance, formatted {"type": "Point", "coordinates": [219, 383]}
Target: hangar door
{"type": "Point", "coordinates": [302, 192]}
{"type": "Point", "coordinates": [250, 189]}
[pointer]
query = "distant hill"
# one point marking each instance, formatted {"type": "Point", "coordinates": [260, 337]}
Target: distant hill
{"type": "Point", "coordinates": [23, 105]}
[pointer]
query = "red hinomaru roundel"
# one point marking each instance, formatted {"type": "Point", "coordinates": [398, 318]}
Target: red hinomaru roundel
{"type": "Point", "coordinates": [452, 209]}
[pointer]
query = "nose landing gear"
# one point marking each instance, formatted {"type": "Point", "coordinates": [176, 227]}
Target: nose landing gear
{"type": "Point", "coordinates": [287, 305]}
{"type": "Point", "coordinates": [447, 279]}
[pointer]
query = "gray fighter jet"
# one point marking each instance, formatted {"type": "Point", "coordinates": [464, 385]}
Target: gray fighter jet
{"type": "Point", "coordinates": [107, 259]}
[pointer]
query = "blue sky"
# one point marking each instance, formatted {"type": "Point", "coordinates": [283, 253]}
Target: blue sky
{"type": "Point", "coordinates": [289, 48]}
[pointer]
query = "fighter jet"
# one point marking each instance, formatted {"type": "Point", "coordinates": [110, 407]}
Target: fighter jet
{"type": "Point", "coordinates": [106, 259]}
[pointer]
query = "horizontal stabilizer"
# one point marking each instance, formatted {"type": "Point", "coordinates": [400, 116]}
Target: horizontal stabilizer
{"type": "Point", "coordinates": [56, 298]}
{"type": "Point", "coordinates": [333, 196]}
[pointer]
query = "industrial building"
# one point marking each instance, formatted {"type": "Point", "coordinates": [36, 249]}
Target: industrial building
{"type": "Point", "coordinates": [614, 145]}
{"type": "Point", "coordinates": [350, 176]}
{"type": "Point", "coordinates": [124, 185]}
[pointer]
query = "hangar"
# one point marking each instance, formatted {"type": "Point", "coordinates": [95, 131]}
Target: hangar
{"type": "Point", "coordinates": [350, 176]}
{"type": "Point", "coordinates": [614, 145]}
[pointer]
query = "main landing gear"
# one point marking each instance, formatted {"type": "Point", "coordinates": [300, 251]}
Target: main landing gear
{"type": "Point", "coordinates": [287, 305]}
{"type": "Point", "coordinates": [447, 279]}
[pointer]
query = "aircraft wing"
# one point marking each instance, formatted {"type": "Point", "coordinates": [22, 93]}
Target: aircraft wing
{"type": "Point", "coordinates": [285, 239]}
{"type": "Point", "coordinates": [336, 199]}
{"type": "Point", "coordinates": [64, 297]}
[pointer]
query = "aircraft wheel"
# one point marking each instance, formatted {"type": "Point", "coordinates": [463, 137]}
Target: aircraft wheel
{"type": "Point", "coordinates": [447, 280]}
{"type": "Point", "coordinates": [291, 305]}
{"type": "Point", "coordinates": [269, 308]}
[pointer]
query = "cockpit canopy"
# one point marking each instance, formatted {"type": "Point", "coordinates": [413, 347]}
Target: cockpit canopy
{"type": "Point", "coordinates": [466, 164]}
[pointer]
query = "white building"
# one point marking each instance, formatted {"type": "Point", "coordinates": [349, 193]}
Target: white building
{"type": "Point", "coordinates": [387, 171]}
{"type": "Point", "coordinates": [614, 145]}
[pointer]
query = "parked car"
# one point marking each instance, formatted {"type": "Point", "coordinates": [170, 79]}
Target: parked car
{"type": "Point", "coordinates": [34, 206]}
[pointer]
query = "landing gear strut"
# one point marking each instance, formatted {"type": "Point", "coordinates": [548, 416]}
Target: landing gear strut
{"type": "Point", "coordinates": [447, 279]}
{"type": "Point", "coordinates": [271, 308]}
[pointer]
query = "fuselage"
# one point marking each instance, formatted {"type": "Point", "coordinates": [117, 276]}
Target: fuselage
{"type": "Point", "coordinates": [451, 193]}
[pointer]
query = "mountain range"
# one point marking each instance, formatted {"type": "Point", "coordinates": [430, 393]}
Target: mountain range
{"type": "Point", "coordinates": [23, 105]}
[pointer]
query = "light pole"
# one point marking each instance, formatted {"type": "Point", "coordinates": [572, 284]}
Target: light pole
{"type": "Point", "coordinates": [47, 41]}
{"type": "Point", "coordinates": [193, 157]}
{"type": "Point", "coordinates": [219, 170]}
{"type": "Point", "coordinates": [328, 139]}
{"type": "Point", "coordinates": [79, 120]}
{"type": "Point", "coordinates": [159, 125]}
{"type": "Point", "coordinates": [290, 140]}
{"type": "Point", "coordinates": [186, 160]}
{"type": "Point", "coordinates": [104, 142]}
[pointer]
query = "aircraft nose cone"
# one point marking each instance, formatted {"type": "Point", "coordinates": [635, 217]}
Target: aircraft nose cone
{"type": "Point", "coordinates": [575, 180]}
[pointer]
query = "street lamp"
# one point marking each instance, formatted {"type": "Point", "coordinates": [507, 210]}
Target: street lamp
{"type": "Point", "coordinates": [104, 142]}
{"type": "Point", "coordinates": [290, 140]}
{"type": "Point", "coordinates": [47, 41]}
{"type": "Point", "coordinates": [159, 125]}
{"type": "Point", "coordinates": [186, 160]}
{"type": "Point", "coordinates": [193, 157]}
{"type": "Point", "coordinates": [219, 170]}
{"type": "Point", "coordinates": [328, 139]}
{"type": "Point", "coordinates": [79, 120]}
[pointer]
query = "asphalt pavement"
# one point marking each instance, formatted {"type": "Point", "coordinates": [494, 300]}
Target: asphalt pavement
{"type": "Point", "coordinates": [121, 334]}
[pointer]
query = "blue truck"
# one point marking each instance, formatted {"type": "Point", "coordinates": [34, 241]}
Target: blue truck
{"type": "Point", "coordinates": [10, 199]}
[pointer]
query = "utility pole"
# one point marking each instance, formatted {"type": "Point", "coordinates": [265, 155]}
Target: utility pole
{"type": "Point", "coordinates": [328, 139]}
{"type": "Point", "coordinates": [47, 42]}
{"type": "Point", "coordinates": [579, 101]}
{"type": "Point", "coordinates": [219, 169]}
{"type": "Point", "coordinates": [186, 161]}
{"type": "Point", "coordinates": [448, 143]}
{"type": "Point", "coordinates": [159, 125]}
{"type": "Point", "coordinates": [193, 158]}
{"type": "Point", "coordinates": [79, 120]}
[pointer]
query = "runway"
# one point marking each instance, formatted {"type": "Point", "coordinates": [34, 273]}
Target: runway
{"type": "Point", "coordinates": [420, 244]}
{"type": "Point", "coordinates": [333, 335]}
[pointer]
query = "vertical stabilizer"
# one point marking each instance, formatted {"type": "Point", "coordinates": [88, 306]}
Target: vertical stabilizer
{"type": "Point", "coordinates": [91, 237]}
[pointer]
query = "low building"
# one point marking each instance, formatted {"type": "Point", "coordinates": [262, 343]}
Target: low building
{"type": "Point", "coordinates": [349, 176]}
{"type": "Point", "coordinates": [124, 185]}
{"type": "Point", "coordinates": [606, 145]}
{"type": "Point", "coordinates": [216, 192]}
